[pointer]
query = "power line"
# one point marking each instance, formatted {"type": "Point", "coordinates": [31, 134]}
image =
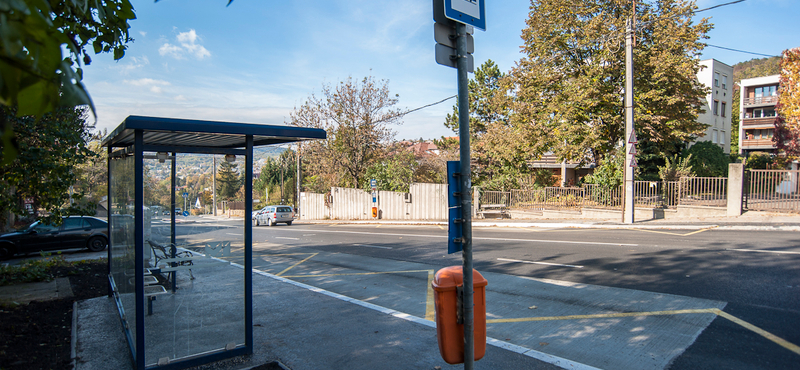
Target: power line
{"type": "Point", "coordinates": [741, 51]}
{"type": "Point", "coordinates": [427, 105]}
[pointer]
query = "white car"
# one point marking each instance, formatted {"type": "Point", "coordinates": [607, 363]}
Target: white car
{"type": "Point", "coordinates": [271, 215]}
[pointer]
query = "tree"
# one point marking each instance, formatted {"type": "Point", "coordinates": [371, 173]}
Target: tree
{"type": "Point", "coordinates": [34, 75]}
{"type": "Point", "coordinates": [394, 173]}
{"type": "Point", "coordinates": [568, 88]}
{"type": "Point", "coordinates": [676, 168]}
{"type": "Point", "coordinates": [787, 122]}
{"type": "Point", "coordinates": [498, 151]}
{"type": "Point", "coordinates": [357, 117]}
{"type": "Point", "coordinates": [50, 149]}
{"type": "Point", "coordinates": [228, 181]}
{"type": "Point", "coordinates": [708, 160]}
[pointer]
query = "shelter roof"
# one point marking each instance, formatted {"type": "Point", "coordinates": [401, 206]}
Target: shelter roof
{"type": "Point", "coordinates": [187, 134]}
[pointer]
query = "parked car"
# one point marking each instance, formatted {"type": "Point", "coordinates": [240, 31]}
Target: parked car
{"type": "Point", "coordinates": [74, 232]}
{"type": "Point", "coordinates": [178, 211]}
{"type": "Point", "coordinates": [271, 215]}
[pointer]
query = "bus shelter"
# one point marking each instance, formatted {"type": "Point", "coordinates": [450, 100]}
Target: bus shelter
{"type": "Point", "coordinates": [183, 300]}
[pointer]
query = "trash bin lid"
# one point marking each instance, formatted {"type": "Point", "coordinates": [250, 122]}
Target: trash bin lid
{"type": "Point", "coordinates": [449, 278]}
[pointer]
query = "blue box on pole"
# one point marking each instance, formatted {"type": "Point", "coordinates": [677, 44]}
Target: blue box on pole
{"type": "Point", "coordinates": [455, 216]}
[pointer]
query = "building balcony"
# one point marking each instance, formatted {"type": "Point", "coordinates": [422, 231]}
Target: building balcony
{"type": "Point", "coordinates": [762, 100]}
{"type": "Point", "coordinates": [765, 122]}
{"type": "Point", "coordinates": [757, 143]}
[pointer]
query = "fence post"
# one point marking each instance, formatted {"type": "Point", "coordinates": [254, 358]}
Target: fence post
{"type": "Point", "coordinates": [735, 188]}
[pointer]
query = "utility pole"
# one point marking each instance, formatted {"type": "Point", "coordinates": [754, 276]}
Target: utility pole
{"type": "Point", "coordinates": [466, 195]}
{"type": "Point", "coordinates": [297, 180]}
{"type": "Point", "coordinates": [630, 136]}
{"type": "Point", "coordinates": [214, 184]}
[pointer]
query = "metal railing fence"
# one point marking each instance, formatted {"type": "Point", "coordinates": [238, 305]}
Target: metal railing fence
{"type": "Point", "coordinates": [773, 190]}
{"type": "Point", "coordinates": [703, 191]}
{"type": "Point", "coordinates": [696, 191]}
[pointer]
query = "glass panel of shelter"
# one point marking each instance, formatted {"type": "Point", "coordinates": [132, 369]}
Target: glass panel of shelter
{"type": "Point", "coordinates": [195, 296]}
{"type": "Point", "coordinates": [122, 240]}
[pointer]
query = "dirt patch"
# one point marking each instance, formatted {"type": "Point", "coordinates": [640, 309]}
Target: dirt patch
{"type": "Point", "coordinates": [38, 335]}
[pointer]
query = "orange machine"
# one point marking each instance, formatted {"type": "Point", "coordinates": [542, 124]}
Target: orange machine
{"type": "Point", "coordinates": [447, 286]}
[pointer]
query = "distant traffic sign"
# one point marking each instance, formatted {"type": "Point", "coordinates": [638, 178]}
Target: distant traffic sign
{"type": "Point", "coordinates": [471, 12]}
{"type": "Point", "coordinates": [185, 195]}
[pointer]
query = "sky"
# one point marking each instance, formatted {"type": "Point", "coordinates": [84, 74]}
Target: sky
{"type": "Point", "coordinates": [255, 61]}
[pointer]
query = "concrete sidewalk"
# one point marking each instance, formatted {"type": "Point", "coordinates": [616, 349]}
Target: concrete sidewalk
{"type": "Point", "coordinates": [304, 328]}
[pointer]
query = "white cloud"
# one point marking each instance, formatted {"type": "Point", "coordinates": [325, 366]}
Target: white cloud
{"type": "Point", "coordinates": [155, 86]}
{"type": "Point", "coordinates": [136, 63]}
{"type": "Point", "coordinates": [188, 45]}
{"type": "Point", "coordinates": [180, 98]}
{"type": "Point", "coordinates": [143, 33]}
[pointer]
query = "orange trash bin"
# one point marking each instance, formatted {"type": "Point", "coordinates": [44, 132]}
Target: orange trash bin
{"type": "Point", "coordinates": [449, 333]}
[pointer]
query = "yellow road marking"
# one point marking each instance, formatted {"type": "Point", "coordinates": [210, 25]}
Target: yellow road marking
{"type": "Point", "coordinates": [430, 312]}
{"type": "Point", "coordinates": [777, 340]}
{"type": "Point", "coordinates": [293, 266]}
{"type": "Point", "coordinates": [678, 234]}
{"type": "Point", "coordinates": [287, 254]}
{"type": "Point", "coordinates": [379, 225]}
{"type": "Point", "coordinates": [600, 316]}
{"type": "Point", "coordinates": [780, 341]}
{"type": "Point", "coordinates": [441, 227]}
{"type": "Point", "coordinates": [355, 273]}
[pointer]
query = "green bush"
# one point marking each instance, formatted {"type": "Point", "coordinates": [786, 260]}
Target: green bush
{"type": "Point", "coordinates": [707, 160]}
{"type": "Point", "coordinates": [33, 270]}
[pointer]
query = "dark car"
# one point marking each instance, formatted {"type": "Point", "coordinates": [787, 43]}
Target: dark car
{"type": "Point", "coordinates": [74, 232]}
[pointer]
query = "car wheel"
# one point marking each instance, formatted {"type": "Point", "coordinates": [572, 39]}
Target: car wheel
{"type": "Point", "coordinates": [269, 222]}
{"type": "Point", "coordinates": [96, 244]}
{"type": "Point", "coordinates": [288, 223]}
{"type": "Point", "coordinates": [258, 223]}
{"type": "Point", "coordinates": [6, 252]}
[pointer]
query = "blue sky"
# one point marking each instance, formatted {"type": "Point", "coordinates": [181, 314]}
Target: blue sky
{"type": "Point", "coordinates": [255, 61]}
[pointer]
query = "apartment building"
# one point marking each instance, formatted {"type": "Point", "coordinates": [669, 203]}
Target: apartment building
{"type": "Point", "coordinates": [758, 97]}
{"type": "Point", "coordinates": [718, 77]}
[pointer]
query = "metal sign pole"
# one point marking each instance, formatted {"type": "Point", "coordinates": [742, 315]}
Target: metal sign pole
{"type": "Point", "coordinates": [466, 199]}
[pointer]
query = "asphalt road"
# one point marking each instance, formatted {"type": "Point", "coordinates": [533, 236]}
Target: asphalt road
{"type": "Point", "coordinates": [757, 273]}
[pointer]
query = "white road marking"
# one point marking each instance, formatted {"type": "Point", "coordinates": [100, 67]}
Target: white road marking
{"type": "Point", "coordinates": [239, 234]}
{"type": "Point", "coordinates": [372, 246]}
{"type": "Point", "coordinates": [494, 239]}
{"type": "Point", "coordinates": [763, 251]}
{"type": "Point", "coordinates": [283, 237]}
{"type": "Point", "coordinates": [539, 263]}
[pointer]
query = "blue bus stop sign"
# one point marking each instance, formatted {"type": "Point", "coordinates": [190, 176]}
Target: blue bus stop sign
{"type": "Point", "coordinates": [470, 12]}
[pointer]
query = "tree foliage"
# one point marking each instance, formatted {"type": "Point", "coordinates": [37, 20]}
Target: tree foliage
{"type": "Point", "coordinates": [35, 76]}
{"type": "Point", "coordinates": [50, 149]}
{"type": "Point", "coordinates": [393, 173]}
{"type": "Point", "coordinates": [357, 116]}
{"type": "Point", "coordinates": [676, 168]}
{"type": "Point", "coordinates": [278, 178]}
{"type": "Point", "coordinates": [499, 152]}
{"type": "Point", "coordinates": [228, 180]}
{"type": "Point", "coordinates": [568, 88]}
{"type": "Point", "coordinates": [787, 122]}
{"type": "Point", "coordinates": [708, 160]}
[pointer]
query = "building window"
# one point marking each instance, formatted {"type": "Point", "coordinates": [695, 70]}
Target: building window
{"type": "Point", "coordinates": [714, 137]}
{"type": "Point", "coordinates": [716, 79]}
{"type": "Point", "coordinates": [764, 112]}
{"type": "Point", "coordinates": [722, 109]}
{"type": "Point", "coordinates": [716, 107]}
{"type": "Point", "coordinates": [724, 82]}
{"type": "Point", "coordinates": [766, 91]}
